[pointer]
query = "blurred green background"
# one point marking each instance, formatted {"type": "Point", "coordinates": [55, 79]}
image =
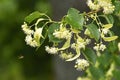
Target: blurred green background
{"type": "Point", "coordinates": [17, 60]}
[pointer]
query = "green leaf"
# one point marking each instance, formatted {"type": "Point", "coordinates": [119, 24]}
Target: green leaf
{"type": "Point", "coordinates": [51, 30]}
{"type": "Point", "coordinates": [117, 8]}
{"type": "Point", "coordinates": [87, 32]}
{"type": "Point", "coordinates": [109, 19]}
{"type": "Point", "coordinates": [94, 31]}
{"type": "Point", "coordinates": [113, 46]}
{"type": "Point", "coordinates": [90, 55]}
{"type": "Point", "coordinates": [75, 19]}
{"type": "Point", "coordinates": [116, 74]}
{"type": "Point", "coordinates": [97, 74]}
{"type": "Point", "coordinates": [113, 1]}
{"type": "Point", "coordinates": [117, 59]}
{"type": "Point", "coordinates": [33, 16]}
{"type": "Point", "coordinates": [105, 60]}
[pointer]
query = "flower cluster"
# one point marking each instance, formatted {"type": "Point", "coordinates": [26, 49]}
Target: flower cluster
{"type": "Point", "coordinates": [81, 64]}
{"type": "Point", "coordinates": [27, 29]}
{"type": "Point", "coordinates": [66, 56]}
{"type": "Point", "coordinates": [80, 43]}
{"type": "Point", "coordinates": [92, 5]}
{"type": "Point", "coordinates": [32, 37]}
{"type": "Point", "coordinates": [62, 33]}
{"type": "Point", "coordinates": [106, 28]}
{"type": "Point", "coordinates": [105, 31]}
{"type": "Point", "coordinates": [106, 5]}
{"type": "Point", "coordinates": [99, 47]}
{"type": "Point", "coordinates": [72, 36]}
{"type": "Point", "coordinates": [51, 50]}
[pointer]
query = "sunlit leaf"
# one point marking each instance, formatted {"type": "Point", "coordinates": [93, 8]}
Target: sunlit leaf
{"type": "Point", "coordinates": [33, 16]}
{"type": "Point", "coordinates": [94, 31]}
{"type": "Point", "coordinates": [75, 19]}
{"type": "Point", "coordinates": [117, 8]}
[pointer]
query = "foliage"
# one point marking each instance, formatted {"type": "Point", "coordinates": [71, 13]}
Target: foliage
{"type": "Point", "coordinates": [89, 34]}
{"type": "Point", "coordinates": [18, 62]}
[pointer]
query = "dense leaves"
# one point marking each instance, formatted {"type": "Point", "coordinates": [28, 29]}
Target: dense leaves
{"type": "Point", "coordinates": [117, 8]}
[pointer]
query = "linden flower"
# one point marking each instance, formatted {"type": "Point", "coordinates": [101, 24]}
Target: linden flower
{"type": "Point", "coordinates": [34, 41]}
{"type": "Point", "coordinates": [38, 33]}
{"type": "Point", "coordinates": [87, 41]}
{"type": "Point", "coordinates": [32, 37]}
{"type": "Point", "coordinates": [81, 64]}
{"type": "Point", "coordinates": [100, 47]}
{"type": "Point", "coordinates": [51, 50]}
{"type": "Point", "coordinates": [80, 43]}
{"type": "Point", "coordinates": [103, 3]}
{"type": "Point", "coordinates": [66, 55]}
{"type": "Point", "coordinates": [96, 47]}
{"type": "Point", "coordinates": [26, 29]}
{"type": "Point", "coordinates": [105, 30]}
{"type": "Point", "coordinates": [107, 6]}
{"type": "Point", "coordinates": [92, 5]}
{"type": "Point", "coordinates": [62, 33]}
{"type": "Point", "coordinates": [29, 41]}
{"type": "Point", "coordinates": [108, 9]}
{"type": "Point", "coordinates": [73, 46]}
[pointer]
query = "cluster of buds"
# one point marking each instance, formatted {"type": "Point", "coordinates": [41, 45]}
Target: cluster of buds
{"type": "Point", "coordinates": [81, 64]}
{"type": "Point", "coordinates": [62, 33]}
{"type": "Point", "coordinates": [32, 36]}
{"type": "Point", "coordinates": [99, 47]}
{"type": "Point", "coordinates": [51, 50]}
{"type": "Point", "coordinates": [106, 5]}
